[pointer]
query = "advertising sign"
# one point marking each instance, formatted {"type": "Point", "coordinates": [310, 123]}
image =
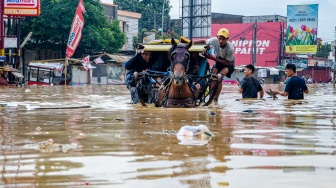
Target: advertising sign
{"type": "Point", "coordinates": [300, 63]}
{"type": "Point", "coordinates": [241, 37]}
{"type": "Point", "coordinates": [76, 30]}
{"type": "Point", "coordinates": [301, 36]}
{"type": "Point", "coordinates": [22, 7]}
{"type": "Point", "coordinates": [312, 62]}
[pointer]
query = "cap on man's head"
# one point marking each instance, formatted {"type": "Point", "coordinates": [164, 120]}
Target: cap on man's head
{"type": "Point", "coordinates": [223, 32]}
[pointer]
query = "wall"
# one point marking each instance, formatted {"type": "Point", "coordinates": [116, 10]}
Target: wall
{"type": "Point", "coordinates": [130, 30]}
{"type": "Point", "coordinates": [317, 73]}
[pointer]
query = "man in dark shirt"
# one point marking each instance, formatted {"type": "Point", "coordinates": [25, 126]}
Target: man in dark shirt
{"type": "Point", "coordinates": [249, 86]}
{"type": "Point", "coordinates": [138, 63]}
{"type": "Point", "coordinates": [295, 86]}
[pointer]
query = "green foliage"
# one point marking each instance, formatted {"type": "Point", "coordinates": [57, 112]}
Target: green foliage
{"type": "Point", "coordinates": [51, 29]}
{"type": "Point", "coordinates": [323, 50]}
{"type": "Point", "coordinates": [150, 10]}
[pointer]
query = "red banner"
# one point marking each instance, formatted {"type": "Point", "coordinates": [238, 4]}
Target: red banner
{"type": "Point", "coordinates": [76, 30]}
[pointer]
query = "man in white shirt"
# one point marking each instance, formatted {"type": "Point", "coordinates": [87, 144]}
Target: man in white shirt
{"type": "Point", "coordinates": [224, 57]}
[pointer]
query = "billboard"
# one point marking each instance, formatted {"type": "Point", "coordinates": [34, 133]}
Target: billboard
{"type": "Point", "coordinates": [22, 7]}
{"type": "Point", "coordinates": [301, 35]}
{"type": "Point", "coordinates": [241, 37]}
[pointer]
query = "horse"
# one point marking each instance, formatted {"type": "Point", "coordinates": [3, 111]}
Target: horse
{"type": "Point", "coordinates": [176, 91]}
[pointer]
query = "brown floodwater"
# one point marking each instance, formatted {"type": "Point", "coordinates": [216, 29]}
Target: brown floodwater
{"type": "Point", "coordinates": [113, 143]}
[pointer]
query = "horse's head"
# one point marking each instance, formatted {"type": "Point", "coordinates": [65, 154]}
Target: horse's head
{"type": "Point", "coordinates": [179, 60]}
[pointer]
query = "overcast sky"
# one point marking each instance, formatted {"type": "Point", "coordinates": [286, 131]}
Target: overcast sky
{"type": "Point", "coordinates": [326, 12]}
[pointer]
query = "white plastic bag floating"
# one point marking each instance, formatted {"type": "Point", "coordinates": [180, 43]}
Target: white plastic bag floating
{"type": "Point", "coordinates": [194, 135]}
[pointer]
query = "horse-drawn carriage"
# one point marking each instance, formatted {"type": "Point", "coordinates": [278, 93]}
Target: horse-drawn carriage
{"type": "Point", "coordinates": [178, 86]}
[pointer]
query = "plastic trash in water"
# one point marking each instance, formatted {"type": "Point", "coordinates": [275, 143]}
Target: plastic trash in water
{"type": "Point", "coordinates": [194, 135]}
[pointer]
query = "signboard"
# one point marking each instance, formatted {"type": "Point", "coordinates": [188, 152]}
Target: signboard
{"type": "Point", "coordinates": [22, 7]}
{"type": "Point", "coordinates": [299, 63]}
{"type": "Point", "coordinates": [241, 37]}
{"type": "Point", "coordinates": [301, 36]}
{"type": "Point", "coordinates": [312, 62]}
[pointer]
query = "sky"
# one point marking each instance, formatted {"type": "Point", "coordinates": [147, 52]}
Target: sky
{"type": "Point", "coordinates": [326, 11]}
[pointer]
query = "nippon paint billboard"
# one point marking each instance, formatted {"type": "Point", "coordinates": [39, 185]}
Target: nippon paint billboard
{"type": "Point", "coordinates": [22, 7]}
{"type": "Point", "coordinates": [241, 37]}
{"type": "Point", "coordinates": [301, 35]}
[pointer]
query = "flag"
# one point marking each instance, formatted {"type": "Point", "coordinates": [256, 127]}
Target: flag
{"type": "Point", "coordinates": [76, 30]}
{"type": "Point", "coordinates": [86, 66]}
{"type": "Point", "coordinates": [98, 60]}
{"type": "Point", "coordinates": [86, 59]}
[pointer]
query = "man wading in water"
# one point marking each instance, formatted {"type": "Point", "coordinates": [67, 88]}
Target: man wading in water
{"type": "Point", "coordinates": [295, 86]}
{"type": "Point", "coordinates": [249, 86]}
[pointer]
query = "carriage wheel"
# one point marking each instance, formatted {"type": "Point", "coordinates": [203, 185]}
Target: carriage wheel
{"type": "Point", "coordinates": [207, 95]}
{"type": "Point", "coordinates": [152, 95]}
{"type": "Point", "coordinates": [208, 98]}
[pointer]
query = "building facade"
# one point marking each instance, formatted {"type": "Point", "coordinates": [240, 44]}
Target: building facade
{"type": "Point", "coordinates": [128, 22]}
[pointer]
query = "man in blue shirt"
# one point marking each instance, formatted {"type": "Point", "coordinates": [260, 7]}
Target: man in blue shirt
{"type": "Point", "coordinates": [249, 86]}
{"type": "Point", "coordinates": [295, 86]}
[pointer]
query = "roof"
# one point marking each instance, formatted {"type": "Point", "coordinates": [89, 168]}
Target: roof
{"type": "Point", "coordinates": [119, 58]}
{"type": "Point", "coordinates": [114, 57]}
{"type": "Point", "coordinates": [71, 61]}
{"type": "Point", "coordinates": [128, 14]}
{"type": "Point", "coordinates": [108, 4]}
{"type": "Point", "coordinates": [18, 74]}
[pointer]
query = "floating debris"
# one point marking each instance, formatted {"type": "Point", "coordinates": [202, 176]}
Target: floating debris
{"type": "Point", "coordinates": [49, 146]}
{"type": "Point", "coordinates": [212, 113]}
{"type": "Point", "coordinates": [194, 135]}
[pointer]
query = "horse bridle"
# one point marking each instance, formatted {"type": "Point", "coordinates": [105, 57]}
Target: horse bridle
{"type": "Point", "coordinates": [185, 62]}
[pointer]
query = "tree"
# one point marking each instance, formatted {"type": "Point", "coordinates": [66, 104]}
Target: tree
{"type": "Point", "coordinates": [151, 13]}
{"type": "Point", "coordinates": [323, 50]}
{"type": "Point", "coordinates": [51, 29]}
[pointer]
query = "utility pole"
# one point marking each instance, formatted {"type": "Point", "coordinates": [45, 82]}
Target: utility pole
{"type": "Point", "coordinates": [191, 3]}
{"type": "Point", "coordinates": [335, 58]}
{"type": "Point", "coordinates": [2, 30]}
{"type": "Point", "coordinates": [162, 16]}
{"type": "Point", "coordinates": [255, 44]}
{"type": "Point", "coordinates": [154, 19]}
{"type": "Point", "coordinates": [280, 45]}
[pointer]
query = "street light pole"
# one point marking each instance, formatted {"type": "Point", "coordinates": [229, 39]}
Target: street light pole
{"type": "Point", "coordinates": [162, 16]}
{"type": "Point", "coordinates": [2, 30]}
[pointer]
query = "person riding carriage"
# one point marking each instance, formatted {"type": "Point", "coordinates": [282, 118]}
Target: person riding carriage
{"type": "Point", "coordinates": [143, 61]}
{"type": "Point", "coordinates": [184, 82]}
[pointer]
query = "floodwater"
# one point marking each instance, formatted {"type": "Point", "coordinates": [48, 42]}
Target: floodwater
{"type": "Point", "coordinates": [272, 143]}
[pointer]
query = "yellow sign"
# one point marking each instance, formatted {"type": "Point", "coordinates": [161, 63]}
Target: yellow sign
{"type": "Point", "coordinates": [301, 49]}
{"type": "Point", "coordinates": [19, 12]}
{"type": "Point", "coordinates": [22, 7]}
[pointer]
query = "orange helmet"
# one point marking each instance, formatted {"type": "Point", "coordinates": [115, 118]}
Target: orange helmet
{"type": "Point", "coordinates": [6, 69]}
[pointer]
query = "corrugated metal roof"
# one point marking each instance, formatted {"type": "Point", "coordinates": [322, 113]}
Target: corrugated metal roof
{"type": "Point", "coordinates": [119, 58]}
{"type": "Point", "coordinates": [18, 74]}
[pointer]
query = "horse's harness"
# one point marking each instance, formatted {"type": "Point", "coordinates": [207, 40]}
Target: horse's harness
{"type": "Point", "coordinates": [173, 102]}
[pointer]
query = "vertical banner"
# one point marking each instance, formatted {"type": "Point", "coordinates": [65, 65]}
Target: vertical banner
{"type": "Point", "coordinates": [302, 28]}
{"type": "Point", "coordinates": [76, 30]}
